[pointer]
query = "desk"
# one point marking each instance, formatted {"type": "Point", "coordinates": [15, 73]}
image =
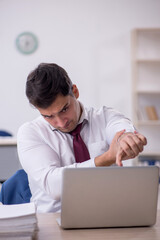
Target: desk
{"type": "Point", "coordinates": [49, 230]}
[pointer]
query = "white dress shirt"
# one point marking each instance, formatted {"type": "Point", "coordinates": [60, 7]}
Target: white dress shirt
{"type": "Point", "coordinates": [44, 151]}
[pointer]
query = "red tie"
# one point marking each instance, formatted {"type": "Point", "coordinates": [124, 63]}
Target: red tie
{"type": "Point", "coordinates": [80, 150]}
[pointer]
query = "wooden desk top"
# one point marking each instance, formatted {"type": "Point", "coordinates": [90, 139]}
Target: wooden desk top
{"type": "Point", "coordinates": [49, 230]}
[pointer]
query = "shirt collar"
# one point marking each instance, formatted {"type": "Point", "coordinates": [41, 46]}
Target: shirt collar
{"type": "Point", "coordinates": [84, 115]}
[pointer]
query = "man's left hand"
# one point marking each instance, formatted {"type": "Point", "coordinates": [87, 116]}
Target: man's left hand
{"type": "Point", "coordinates": [130, 145]}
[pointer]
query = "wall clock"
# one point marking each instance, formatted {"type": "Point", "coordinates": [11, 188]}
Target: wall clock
{"type": "Point", "coordinates": [27, 42]}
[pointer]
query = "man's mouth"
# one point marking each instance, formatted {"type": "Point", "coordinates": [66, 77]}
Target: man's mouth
{"type": "Point", "coordinates": [65, 127]}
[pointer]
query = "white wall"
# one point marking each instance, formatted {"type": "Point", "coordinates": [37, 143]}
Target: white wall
{"type": "Point", "coordinates": [89, 38]}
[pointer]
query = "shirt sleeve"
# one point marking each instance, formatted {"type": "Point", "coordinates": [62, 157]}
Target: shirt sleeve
{"type": "Point", "coordinates": [41, 162]}
{"type": "Point", "coordinates": [115, 123]}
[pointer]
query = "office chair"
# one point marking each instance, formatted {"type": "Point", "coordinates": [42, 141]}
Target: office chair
{"type": "Point", "coordinates": [15, 190]}
{"type": "Point", "coordinates": [5, 134]}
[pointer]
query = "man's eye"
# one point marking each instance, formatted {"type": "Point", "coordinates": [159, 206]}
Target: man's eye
{"type": "Point", "coordinates": [65, 110]}
{"type": "Point", "coordinates": [48, 117]}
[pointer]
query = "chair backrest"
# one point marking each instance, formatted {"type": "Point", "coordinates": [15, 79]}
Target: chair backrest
{"type": "Point", "coordinates": [5, 133]}
{"type": "Point", "coordinates": [15, 190]}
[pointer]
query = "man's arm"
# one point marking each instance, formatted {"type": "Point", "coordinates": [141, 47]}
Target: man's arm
{"type": "Point", "coordinates": [124, 146]}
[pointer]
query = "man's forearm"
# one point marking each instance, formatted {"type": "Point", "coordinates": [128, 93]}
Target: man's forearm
{"type": "Point", "coordinates": [104, 160]}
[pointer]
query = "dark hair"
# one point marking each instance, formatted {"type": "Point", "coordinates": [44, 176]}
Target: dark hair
{"type": "Point", "coordinates": [45, 83]}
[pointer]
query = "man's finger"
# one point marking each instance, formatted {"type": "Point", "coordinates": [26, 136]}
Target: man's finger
{"type": "Point", "coordinates": [119, 158]}
{"type": "Point", "coordinates": [141, 137]}
{"type": "Point", "coordinates": [119, 134]}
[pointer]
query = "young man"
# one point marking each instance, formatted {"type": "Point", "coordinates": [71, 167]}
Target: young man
{"type": "Point", "coordinates": [47, 145]}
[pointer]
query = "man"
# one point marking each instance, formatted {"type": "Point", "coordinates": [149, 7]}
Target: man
{"type": "Point", "coordinates": [47, 145]}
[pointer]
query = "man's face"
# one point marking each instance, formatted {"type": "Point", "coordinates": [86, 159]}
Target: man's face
{"type": "Point", "coordinates": [64, 113]}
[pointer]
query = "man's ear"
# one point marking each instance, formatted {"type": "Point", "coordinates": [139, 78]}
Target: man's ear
{"type": "Point", "coordinates": [75, 91]}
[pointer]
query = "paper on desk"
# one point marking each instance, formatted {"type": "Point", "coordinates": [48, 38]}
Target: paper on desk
{"type": "Point", "coordinates": [18, 221]}
{"type": "Point", "coordinates": [17, 210]}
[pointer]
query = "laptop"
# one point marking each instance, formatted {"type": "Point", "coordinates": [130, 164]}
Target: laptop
{"type": "Point", "coordinates": [109, 197]}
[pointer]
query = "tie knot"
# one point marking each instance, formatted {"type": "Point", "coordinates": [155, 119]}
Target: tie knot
{"type": "Point", "coordinates": [77, 130]}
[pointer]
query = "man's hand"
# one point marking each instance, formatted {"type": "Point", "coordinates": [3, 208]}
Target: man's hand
{"type": "Point", "coordinates": [130, 145]}
{"type": "Point", "coordinates": [124, 146]}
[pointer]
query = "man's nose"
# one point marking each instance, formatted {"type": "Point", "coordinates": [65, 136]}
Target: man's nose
{"type": "Point", "coordinates": [60, 122]}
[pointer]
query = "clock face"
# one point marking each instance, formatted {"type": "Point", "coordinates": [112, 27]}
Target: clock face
{"type": "Point", "coordinates": [27, 43]}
